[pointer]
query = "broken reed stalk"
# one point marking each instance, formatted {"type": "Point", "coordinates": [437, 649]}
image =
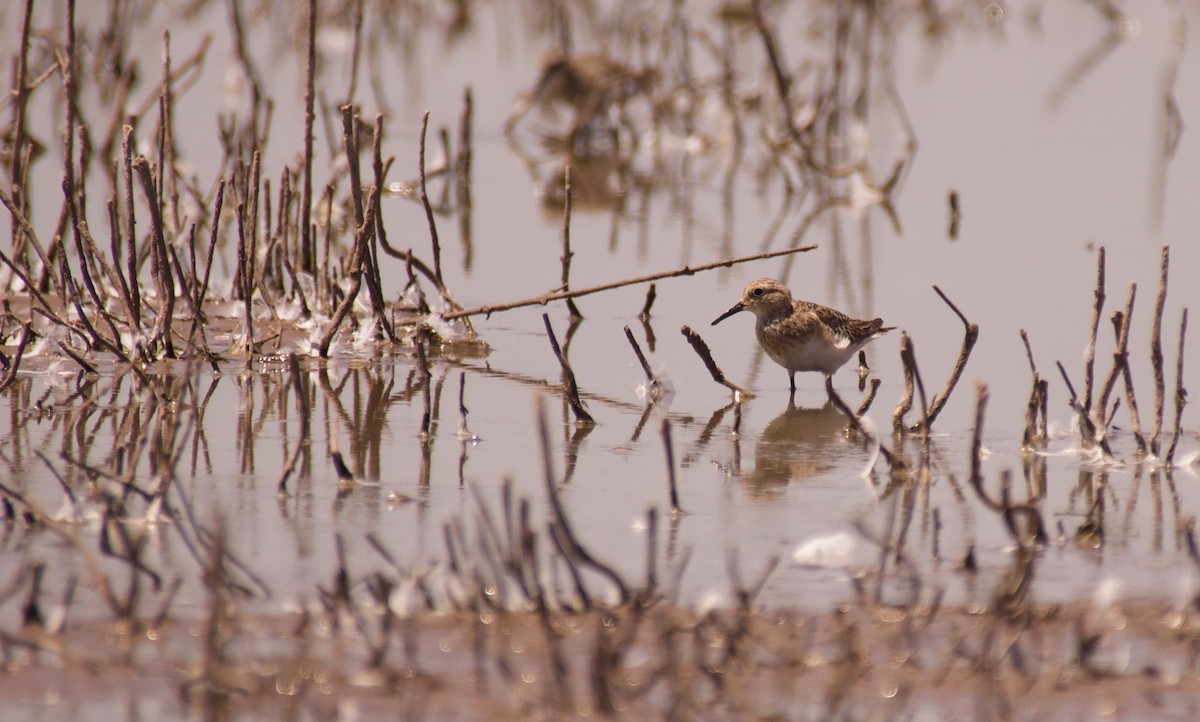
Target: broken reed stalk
{"type": "Point", "coordinates": [1087, 429]}
{"type": "Point", "coordinates": [1122, 321]}
{"type": "Point", "coordinates": [566, 237]}
{"type": "Point", "coordinates": [1156, 354]}
{"type": "Point", "coordinates": [676, 510]}
{"type": "Point", "coordinates": [651, 294]}
{"type": "Point", "coordinates": [870, 398]}
{"type": "Point", "coordinates": [906, 401]}
{"type": "Point", "coordinates": [970, 336]}
{"type": "Point", "coordinates": [160, 264]}
{"type": "Point", "coordinates": [909, 357]}
{"type": "Point", "coordinates": [15, 364]}
{"type": "Point", "coordinates": [376, 280]}
{"type": "Point", "coordinates": [433, 233]}
{"type": "Point", "coordinates": [702, 350]}
{"type": "Point", "coordinates": [308, 245]}
{"type": "Point", "coordinates": [561, 295]}
{"type": "Point", "coordinates": [896, 464]}
{"type": "Point", "coordinates": [1036, 408]}
{"type": "Point", "coordinates": [1180, 392]}
{"type": "Point", "coordinates": [201, 288]}
{"type": "Point", "coordinates": [302, 406]}
{"type": "Point", "coordinates": [637, 350]}
{"type": "Point", "coordinates": [559, 514]}
{"type": "Point", "coordinates": [361, 239]}
{"type": "Point", "coordinates": [569, 385]}
{"type": "Point", "coordinates": [1089, 357]}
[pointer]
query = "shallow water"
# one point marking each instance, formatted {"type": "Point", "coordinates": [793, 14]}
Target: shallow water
{"type": "Point", "coordinates": [1051, 156]}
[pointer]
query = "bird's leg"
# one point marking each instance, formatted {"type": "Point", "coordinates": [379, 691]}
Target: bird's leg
{"type": "Point", "coordinates": [792, 380]}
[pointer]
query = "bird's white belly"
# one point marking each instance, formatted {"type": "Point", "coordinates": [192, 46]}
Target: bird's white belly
{"type": "Point", "coordinates": [814, 354]}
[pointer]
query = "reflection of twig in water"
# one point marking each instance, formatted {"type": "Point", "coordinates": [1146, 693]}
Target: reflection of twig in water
{"type": "Point", "coordinates": [1087, 62]}
{"type": "Point", "coordinates": [896, 464]}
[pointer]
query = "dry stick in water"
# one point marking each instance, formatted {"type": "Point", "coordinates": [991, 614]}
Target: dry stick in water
{"type": "Point", "coordinates": [1156, 354]}
{"type": "Point", "coordinates": [566, 236]}
{"type": "Point", "coordinates": [893, 461]}
{"type": "Point", "coordinates": [131, 257]}
{"type": "Point", "coordinates": [651, 294]}
{"type": "Point", "coordinates": [1037, 402]}
{"type": "Point", "coordinates": [160, 263]}
{"type": "Point", "coordinates": [356, 271]}
{"type": "Point", "coordinates": [572, 390]}
{"type": "Point", "coordinates": [561, 295]}
{"type": "Point", "coordinates": [433, 233]}
{"type": "Point", "coordinates": [655, 386]}
{"type": "Point", "coordinates": [560, 516]}
{"type": "Point", "coordinates": [676, 510]}
{"type": "Point", "coordinates": [376, 280]}
{"type": "Point", "coordinates": [1087, 429]}
{"type": "Point", "coordinates": [201, 289]}
{"type": "Point", "coordinates": [308, 244]}
{"type": "Point", "coordinates": [909, 358]}
{"type": "Point", "coordinates": [702, 350]}
{"type": "Point", "coordinates": [906, 401]}
{"type": "Point", "coordinates": [302, 406]}
{"type": "Point", "coordinates": [1180, 392]}
{"type": "Point", "coordinates": [1089, 358]}
{"type": "Point", "coordinates": [970, 336]}
{"type": "Point", "coordinates": [369, 267]}
{"type": "Point", "coordinates": [11, 375]}
{"type": "Point", "coordinates": [870, 399]}
{"type": "Point", "coordinates": [1122, 320]}
{"type": "Point", "coordinates": [245, 285]}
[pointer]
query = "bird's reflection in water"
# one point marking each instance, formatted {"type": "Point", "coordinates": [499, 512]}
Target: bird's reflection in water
{"type": "Point", "coordinates": [798, 444]}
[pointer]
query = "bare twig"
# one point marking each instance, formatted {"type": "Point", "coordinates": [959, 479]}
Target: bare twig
{"type": "Point", "coordinates": [970, 336]}
{"type": "Point", "coordinates": [560, 295]}
{"type": "Point", "coordinates": [705, 355]}
{"type": "Point", "coordinates": [1180, 392]}
{"type": "Point", "coordinates": [570, 387]}
{"type": "Point", "coordinates": [1156, 354]}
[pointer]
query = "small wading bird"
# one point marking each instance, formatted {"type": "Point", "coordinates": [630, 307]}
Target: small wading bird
{"type": "Point", "coordinates": [799, 335]}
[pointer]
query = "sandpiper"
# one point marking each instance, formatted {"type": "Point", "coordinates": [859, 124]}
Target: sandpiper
{"type": "Point", "coordinates": [800, 335]}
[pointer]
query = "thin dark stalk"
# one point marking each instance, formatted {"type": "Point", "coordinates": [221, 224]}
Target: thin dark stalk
{"type": "Point", "coordinates": [702, 350]}
{"type": "Point", "coordinates": [308, 253]}
{"type": "Point", "coordinates": [1180, 392]}
{"type": "Point", "coordinates": [1089, 359]}
{"type": "Point", "coordinates": [566, 238]}
{"type": "Point", "coordinates": [433, 233]}
{"type": "Point", "coordinates": [560, 295]}
{"type": "Point", "coordinates": [970, 336]}
{"type": "Point", "coordinates": [1156, 355]}
{"type": "Point", "coordinates": [15, 364]}
{"type": "Point", "coordinates": [570, 387]}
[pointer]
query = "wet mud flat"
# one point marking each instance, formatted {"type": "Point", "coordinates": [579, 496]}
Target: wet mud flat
{"type": "Point", "coordinates": [254, 284]}
{"type": "Point", "coordinates": [653, 660]}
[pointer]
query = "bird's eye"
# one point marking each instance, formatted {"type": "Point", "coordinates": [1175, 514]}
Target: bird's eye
{"type": "Point", "coordinates": [758, 292]}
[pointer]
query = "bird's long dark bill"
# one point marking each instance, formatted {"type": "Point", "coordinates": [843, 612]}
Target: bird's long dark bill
{"type": "Point", "coordinates": [736, 309]}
